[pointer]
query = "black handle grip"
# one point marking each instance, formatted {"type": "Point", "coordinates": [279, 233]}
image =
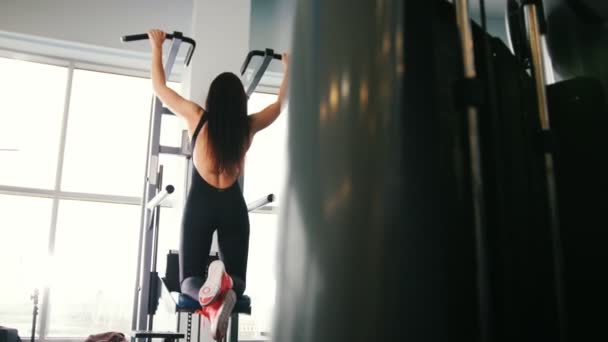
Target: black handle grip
{"type": "Point", "coordinates": [267, 52]}
{"type": "Point", "coordinates": [134, 37]}
{"type": "Point", "coordinates": [144, 36]}
{"type": "Point", "coordinates": [170, 189]}
{"type": "Point", "coordinates": [176, 34]}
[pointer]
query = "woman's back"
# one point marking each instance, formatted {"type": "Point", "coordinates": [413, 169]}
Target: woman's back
{"type": "Point", "coordinates": [206, 165]}
{"type": "Point", "coordinates": [219, 146]}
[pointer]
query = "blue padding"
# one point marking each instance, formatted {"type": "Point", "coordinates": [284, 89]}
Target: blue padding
{"type": "Point", "coordinates": [186, 303]}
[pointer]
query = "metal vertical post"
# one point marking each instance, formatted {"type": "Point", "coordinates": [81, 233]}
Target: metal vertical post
{"type": "Point", "coordinates": [477, 190]}
{"type": "Point", "coordinates": [538, 68]}
{"type": "Point", "coordinates": [146, 236]}
{"type": "Point", "coordinates": [153, 284]}
{"type": "Point", "coordinates": [233, 328]}
{"type": "Point", "coordinates": [46, 299]}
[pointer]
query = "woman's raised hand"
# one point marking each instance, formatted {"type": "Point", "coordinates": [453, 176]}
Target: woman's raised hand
{"type": "Point", "coordinates": [285, 60]}
{"type": "Point", "coordinates": [157, 37]}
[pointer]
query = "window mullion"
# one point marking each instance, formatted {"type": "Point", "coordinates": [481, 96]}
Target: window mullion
{"type": "Point", "coordinates": [44, 309]}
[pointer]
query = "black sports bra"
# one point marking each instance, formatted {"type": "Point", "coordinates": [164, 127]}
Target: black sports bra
{"type": "Point", "coordinates": [201, 122]}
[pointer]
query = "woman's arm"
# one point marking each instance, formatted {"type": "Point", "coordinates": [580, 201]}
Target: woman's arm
{"type": "Point", "coordinates": [183, 108]}
{"type": "Point", "coordinates": [266, 116]}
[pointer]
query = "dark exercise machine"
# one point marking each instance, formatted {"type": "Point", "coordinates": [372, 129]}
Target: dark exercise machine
{"type": "Point", "coordinates": [576, 33]}
{"type": "Point", "coordinates": [447, 193]}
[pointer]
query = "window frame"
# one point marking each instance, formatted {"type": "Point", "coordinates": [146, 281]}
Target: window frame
{"type": "Point", "coordinates": [268, 88]}
{"type": "Point", "coordinates": [56, 194]}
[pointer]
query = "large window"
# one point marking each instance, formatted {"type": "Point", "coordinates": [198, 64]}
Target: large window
{"type": "Point", "coordinates": [106, 134]}
{"type": "Point", "coordinates": [24, 232]}
{"type": "Point", "coordinates": [94, 268]}
{"type": "Point", "coordinates": [265, 171]}
{"type": "Point", "coordinates": [266, 162]}
{"type": "Point", "coordinates": [33, 98]}
{"type": "Point", "coordinates": [72, 158]}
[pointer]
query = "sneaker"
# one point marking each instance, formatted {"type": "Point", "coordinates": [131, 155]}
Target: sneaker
{"type": "Point", "coordinates": [219, 313]}
{"type": "Point", "coordinates": [218, 281]}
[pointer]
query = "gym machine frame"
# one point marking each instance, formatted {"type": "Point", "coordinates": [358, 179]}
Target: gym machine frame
{"type": "Point", "coordinates": [268, 56]}
{"type": "Point", "coordinates": [526, 20]}
{"type": "Point", "coordinates": [158, 290]}
{"type": "Point", "coordinates": [532, 13]}
{"type": "Point", "coordinates": [148, 283]}
{"type": "Point", "coordinates": [143, 307]}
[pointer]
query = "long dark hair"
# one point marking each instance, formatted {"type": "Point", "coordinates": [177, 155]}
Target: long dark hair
{"type": "Point", "coordinates": [227, 123]}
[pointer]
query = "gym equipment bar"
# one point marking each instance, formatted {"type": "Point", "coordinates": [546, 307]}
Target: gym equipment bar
{"type": "Point", "coordinates": [147, 267]}
{"type": "Point", "coordinates": [535, 29]}
{"type": "Point", "coordinates": [160, 197]}
{"type": "Point", "coordinates": [260, 202]}
{"type": "Point", "coordinates": [477, 184]}
{"type": "Point", "coordinates": [268, 56]}
{"type": "Point", "coordinates": [176, 35]}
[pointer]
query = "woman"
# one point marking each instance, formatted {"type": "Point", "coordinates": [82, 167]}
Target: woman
{"type": "Point", "coordinates": [220, 136]}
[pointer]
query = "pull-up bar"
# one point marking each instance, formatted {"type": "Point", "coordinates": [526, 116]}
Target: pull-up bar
{"type": "Point", "coordinates": [174, 35]}
{"type": "Point", "coordinates": [268, 55]}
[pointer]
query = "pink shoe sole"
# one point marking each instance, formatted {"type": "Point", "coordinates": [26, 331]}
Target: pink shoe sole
{"type": "Point", "coordinates": [219, 327]}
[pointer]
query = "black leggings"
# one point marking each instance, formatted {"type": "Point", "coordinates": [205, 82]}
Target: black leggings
{"type": "Point", "coordinates": [207, 209]}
